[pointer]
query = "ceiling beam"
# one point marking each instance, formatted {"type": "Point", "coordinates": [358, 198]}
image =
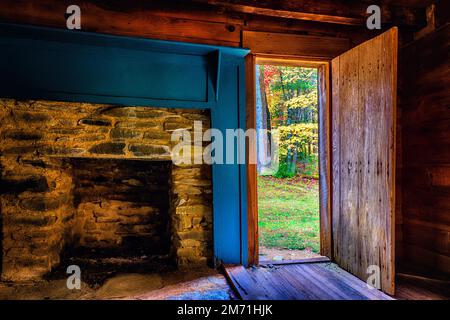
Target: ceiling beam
{"type": "Point", "coordinates": [328, 11]}
{"type": "Point", "coordinates": [153, 20]}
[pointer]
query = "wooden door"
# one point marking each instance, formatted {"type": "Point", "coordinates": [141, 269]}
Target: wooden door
{"type": "Point", "coordinates": [363, 158]}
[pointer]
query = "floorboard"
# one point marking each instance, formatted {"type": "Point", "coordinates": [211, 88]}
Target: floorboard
{"type": "Point", "coordinates": [303, 281]}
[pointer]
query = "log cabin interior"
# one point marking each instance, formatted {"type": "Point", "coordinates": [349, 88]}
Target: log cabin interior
{"type": "Point", "coordinates": [89, 176]}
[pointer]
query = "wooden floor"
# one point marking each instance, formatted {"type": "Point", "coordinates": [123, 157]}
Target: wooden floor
{"type": "Point", "coordinates": [304, 281]}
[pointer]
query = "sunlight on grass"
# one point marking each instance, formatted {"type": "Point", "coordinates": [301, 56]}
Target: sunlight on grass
{"type": "Point", "coordinates": [289, 213]}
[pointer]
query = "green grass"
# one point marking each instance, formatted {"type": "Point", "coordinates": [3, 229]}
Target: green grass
{"type": "Point", "coordinates": [288, 211]}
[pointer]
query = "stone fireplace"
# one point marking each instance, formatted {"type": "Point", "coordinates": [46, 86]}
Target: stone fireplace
{"type": "Point", "coordinates": [91, 182]}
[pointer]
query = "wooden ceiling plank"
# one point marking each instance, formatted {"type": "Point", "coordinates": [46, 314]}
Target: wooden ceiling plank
{"type": "Point", "coordinates": [326, 11]}
{"type": "Point", "coordinates": [293, 14]}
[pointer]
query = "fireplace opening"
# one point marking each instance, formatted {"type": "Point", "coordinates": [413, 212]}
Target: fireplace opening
{"type": "Point", "coordinates": [120, 220]}
{"type": "Point", "coordinates": [94, 185]}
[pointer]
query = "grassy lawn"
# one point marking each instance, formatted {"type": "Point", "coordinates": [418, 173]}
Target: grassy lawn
{"type": "Point", "coordinates": [289, 213]}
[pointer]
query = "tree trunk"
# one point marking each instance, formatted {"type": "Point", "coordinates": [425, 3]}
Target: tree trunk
{"type": "Point", "coordinates": [265, 144]}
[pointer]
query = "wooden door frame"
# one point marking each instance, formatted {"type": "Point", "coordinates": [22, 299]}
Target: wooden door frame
{"type": "Point", "coordinates": [324, 97]}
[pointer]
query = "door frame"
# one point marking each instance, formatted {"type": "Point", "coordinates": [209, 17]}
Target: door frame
{"type": "Point", "coordinates": [324, 96]}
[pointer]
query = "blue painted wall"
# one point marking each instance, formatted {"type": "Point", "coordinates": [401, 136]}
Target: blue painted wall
{"type": "Point", "coordinates": [42, 63]}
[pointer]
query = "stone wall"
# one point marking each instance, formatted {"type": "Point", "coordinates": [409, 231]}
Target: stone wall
{"type": "Point", "coordinates": [42, 143]}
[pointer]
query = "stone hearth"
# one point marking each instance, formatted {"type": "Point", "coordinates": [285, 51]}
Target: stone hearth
{"type": "Point", "coordinates": [78, 177]}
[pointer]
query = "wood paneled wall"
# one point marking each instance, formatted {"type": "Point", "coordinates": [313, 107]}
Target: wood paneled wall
{"type": "Point", "coordinates": [425, 138]}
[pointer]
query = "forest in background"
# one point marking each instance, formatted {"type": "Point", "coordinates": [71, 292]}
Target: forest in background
{"type": "Point", "coordinates": [289, 109]}
{"type": "Point", "coordinates": [288, 197]}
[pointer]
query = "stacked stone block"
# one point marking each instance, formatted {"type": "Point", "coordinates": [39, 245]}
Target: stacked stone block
{"type": "Point", "coordinates": [39, 212]}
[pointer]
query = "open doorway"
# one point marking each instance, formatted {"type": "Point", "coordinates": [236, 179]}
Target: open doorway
{"type": "Point", "coordinates": [288, 154]}
{"type": "Point", "coordinates": [357, 154]}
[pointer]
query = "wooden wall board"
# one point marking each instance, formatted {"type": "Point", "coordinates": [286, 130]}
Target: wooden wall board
{"type": "Point", "coordinates": [296, 45]}
{"type": "Point", "coordinates": [411, 287]}
{"type": "Point", "coordinates": [129, 21]}
{"type": "Point", "coordinates": [425, 120]}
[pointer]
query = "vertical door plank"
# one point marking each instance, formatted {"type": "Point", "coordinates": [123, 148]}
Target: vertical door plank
{"type": "Point", "coordinates": [371, 143]}
{"type": "Point", "coordinates": [390, 54]}
{"type": "Point", "coordinates": [349, 155]}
